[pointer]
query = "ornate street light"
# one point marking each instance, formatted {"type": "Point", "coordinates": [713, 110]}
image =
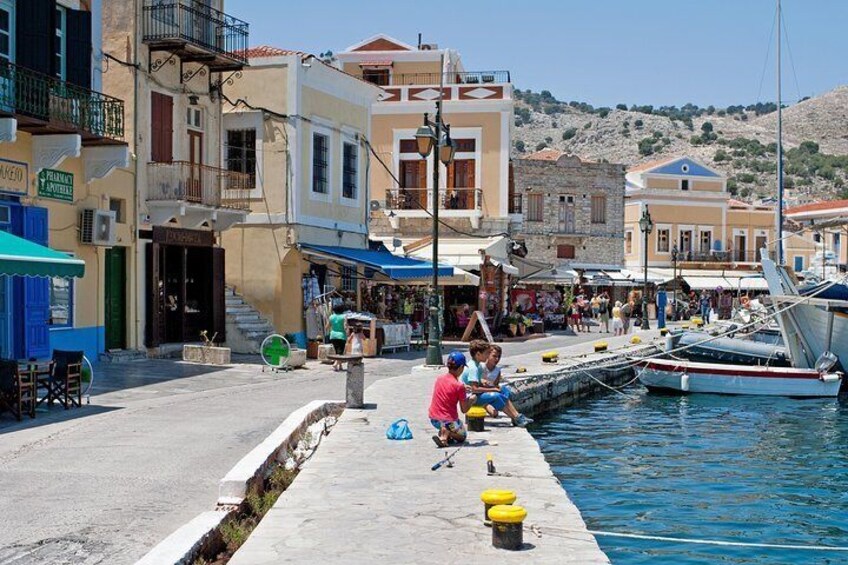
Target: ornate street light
{"type": "Point", "coordinates": [428, 137]}
{"type": "Point", "coordinates": [646, 226]}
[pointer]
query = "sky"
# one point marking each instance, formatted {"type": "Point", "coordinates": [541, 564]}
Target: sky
{"type": "Point", "coordinates": [604, 52]}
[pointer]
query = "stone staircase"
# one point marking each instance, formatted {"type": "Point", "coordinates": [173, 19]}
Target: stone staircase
{"type": "Point", "coordinates": [246, 328]}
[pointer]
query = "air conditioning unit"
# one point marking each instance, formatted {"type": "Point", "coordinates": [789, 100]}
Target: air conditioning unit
{"type": "Point", "coordinates": [375, 205]}
{"type": "Point", "coordinates": [429, 46]}
{"type": "Point", "coordinates": [97, 227]}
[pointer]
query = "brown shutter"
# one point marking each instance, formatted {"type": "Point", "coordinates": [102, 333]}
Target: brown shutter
{"type": "Point", "coordinates": [472, 182]}
{"type": "Point", "coordinates": [219, 303]}
{"type": "Point", "coordinates": [161, 128]}
{"type": "Point", "coordinates": [452, 175]}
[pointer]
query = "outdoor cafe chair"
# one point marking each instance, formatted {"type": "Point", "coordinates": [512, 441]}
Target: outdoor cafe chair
{"type": "Point", "coordinates": [17, 389]}
{"type": "Point", "coordinates": [66, 379]}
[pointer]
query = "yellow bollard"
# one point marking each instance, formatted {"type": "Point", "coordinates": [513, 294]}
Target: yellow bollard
{"type": "Point", "coordinates": [507, 526]}
{"type": "Point", "coordinates": [635, 340]}
{"type": "Point", "coordinates": [495, 497]}
{"type": "Point", "coordinates": [601, 346]}
{"type": "Point", "coordinates": [475, 419]}
{"type": "Point", "coordinates": [550, 357]}
{"type": "Point", "coordinates": [664, 332]}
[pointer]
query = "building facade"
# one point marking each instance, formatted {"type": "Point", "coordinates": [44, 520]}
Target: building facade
{"type": "Point", "coordinates": [572, 210]}
{"type": "Point", "coordinates": [299, 128]}
{"type": "Point", "coordinates": [824, 223]}
{"type": "Point", "coordinates": [172, 60]}
{"type": "Point", "coordinates": [61, 146]}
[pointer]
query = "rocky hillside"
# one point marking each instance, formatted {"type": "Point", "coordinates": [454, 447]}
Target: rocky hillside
{"type": "Point", "coordinates": [739, 141]}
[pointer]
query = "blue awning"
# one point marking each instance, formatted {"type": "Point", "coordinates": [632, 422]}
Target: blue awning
{"type": "Point", "coordinates": [393, 266]}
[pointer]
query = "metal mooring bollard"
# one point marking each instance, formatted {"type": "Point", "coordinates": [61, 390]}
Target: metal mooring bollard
{"type": "Point", "coordinates": [475, 419]}
{"type": "Point", "coordinates": [355, 386]}
{"type": "Point", "coordinates": [494, 497]}
{"type": "Point", "coordinates": [507, 526]}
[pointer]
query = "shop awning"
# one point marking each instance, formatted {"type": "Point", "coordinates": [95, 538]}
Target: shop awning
{"type": "Point", "coordinates": [610, 278]}
{"type": "Point", "coordinates": [459, 278]}
{"type": "Point", "coordinates": [506, 267]}
{"type": "Point", "coordinates": [707, 283]}
{"type": "Point", "coordinates": [393, 266]}
{"type": "Point", "coordinates": [465, 252]}
{"type": "Point", "coordinates": [559, 275]}
{"type": "Point", "coordinates": [24, 258]}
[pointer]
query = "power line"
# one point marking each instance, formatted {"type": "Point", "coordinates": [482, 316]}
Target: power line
{"type": "Point", "coordinates": [768, 51]}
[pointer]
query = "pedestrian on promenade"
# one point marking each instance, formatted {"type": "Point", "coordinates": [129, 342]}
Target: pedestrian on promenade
{"type": "Point", "coordinates": [626, 313]}
{"type": "Point", "coordinates": [596, 306]}
{"type": "Point", "coordinates": [574, 315]}
{"type": "Point", "coordinates": [617, 323]}
{"type": "Point", "coordinates": [493, 395]}
{"type": "Point", "coordinates": [706, 306]}
{"type": "Point", "coordinates": [604, 310]}
{"type": "Point", "coordinates": [448, 392]}
{"type": "Point", "coordinates": [338, 335]}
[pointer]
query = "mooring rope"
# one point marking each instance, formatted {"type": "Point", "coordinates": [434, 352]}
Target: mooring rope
{"type": "Point", "coordinates": [539, 530]}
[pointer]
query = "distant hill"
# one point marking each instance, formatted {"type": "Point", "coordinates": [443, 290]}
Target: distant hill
{"type": "Point", "coordinates": [737, 140]}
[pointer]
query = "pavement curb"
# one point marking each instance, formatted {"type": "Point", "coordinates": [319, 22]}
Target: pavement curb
{"type": "Point", "coordinates": [184, 544]}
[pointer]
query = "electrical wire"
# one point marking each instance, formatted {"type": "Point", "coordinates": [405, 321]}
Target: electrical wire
{"type": "Point", "coordinates": [768, 52]}
{"type": "Point", "coordinates": [791, 58]}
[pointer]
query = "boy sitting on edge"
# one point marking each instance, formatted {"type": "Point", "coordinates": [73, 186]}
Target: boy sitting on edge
{"type": "Point", "coordinates": [447, 393]}
{"type": "Point", "coordinates": [485, 383]}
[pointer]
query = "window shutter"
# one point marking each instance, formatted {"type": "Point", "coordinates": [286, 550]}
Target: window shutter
{"type": "Point", "coordinates": [79, 48]}
{"type": "Point", "coordinates": [35, 36]}
{"type": "Point", "coordinates": [161, 128]}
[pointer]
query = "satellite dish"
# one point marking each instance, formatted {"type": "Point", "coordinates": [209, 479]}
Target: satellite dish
{"type": "Point", "coordinates": [275, 351]}
{"type": "Point", "coordinates": [396, 243]}
{"type": "Point", "coordinates": [375, 205]}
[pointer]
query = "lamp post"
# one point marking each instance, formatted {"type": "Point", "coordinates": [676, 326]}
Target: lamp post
{"type": "Point", "coordinates": [646, 226]}
{"type": "Point", "coordinates": [674, 254]}
{"type": "Point", "coordinates": [428, 137]}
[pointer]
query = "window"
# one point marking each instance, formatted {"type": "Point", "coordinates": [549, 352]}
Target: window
{"type": "Point", "coordinates": [706, 241]}
{"type": "Point", "coordinates": [350, 176]}
{"type": "Point", "coordinates": [799, 264]}
{"type": "Point", "coordinates": [5, 214]}
{"type": "Point", "coordinates": [566, 214]}
{"type": "Point", "coordinates": [628, 242]}
{"type": "Point", "coordinates": [565, 251]}
{"type": "Point", "coordinates": [599, 209]}
{"type": "Point", "coordinates": [194, 118]}
{"type": "Point", "coordinates": [161, 128]}
{"type": "Point", "coordinates": [320, 162]}
{"type": "Point", "coordinates": [348, 278]}
{"type": "Point", "coordinates": [408, 146]}
{"type": "Point", "coordinates": [684, 185]}
{"type": "Point", "coordinates": [241, 153]}
{"type": "Point", "coordinates": [61, 303]}
{"type": "Point", "coordinates": [662, 240]}
{"type": "Point", "coordinates": [118, 205]}
{"type": "Point", "coordinates": [465, 145]}
{"type": "Point", "coordinates": [380, 77]}
{"type": "Point", "coordinates": [60, 59]}
{"type": "Point", "coordinates": [686, 243]}
{"type": "Point", "coordinates": [534, 207]}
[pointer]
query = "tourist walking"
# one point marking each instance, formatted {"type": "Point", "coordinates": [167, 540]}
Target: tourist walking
{"type": "Point", "coordinates": [338, 335]}
{"type": "Point", "coordinates": [706, 306]}
{"type": "Point", "coordinates": [604, 311]}
{"type": "Point", "coordinates": [617, 324]}
{"type": "Point", "coordinates": [626, 313]}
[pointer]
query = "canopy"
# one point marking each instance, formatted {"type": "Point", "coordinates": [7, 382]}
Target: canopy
{"type": "Point", "coordinates": [610, 277]}
{"type": "Point", "coordinates": [459, 278]}
{"type": "Point", "coordinates": [557, 275]}
{"type": "Point", "coordinates": [28, 259]}
{"type": "Point", "coordinates": [466, 252]}
{"type": "Point", "coordinates": [393, 266]}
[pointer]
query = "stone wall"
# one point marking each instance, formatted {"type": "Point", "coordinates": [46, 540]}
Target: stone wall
{"type": "Point", "coordinates": [568, 178]}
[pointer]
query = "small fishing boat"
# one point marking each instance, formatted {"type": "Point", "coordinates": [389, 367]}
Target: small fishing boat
{"type": "Point", "coordinates": [701, 347]}
{"type": "Point", "coordinates": [689, 376]}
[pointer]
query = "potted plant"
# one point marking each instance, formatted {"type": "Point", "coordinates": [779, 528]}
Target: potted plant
{"type": "Point", "coordinates": [512, 325]}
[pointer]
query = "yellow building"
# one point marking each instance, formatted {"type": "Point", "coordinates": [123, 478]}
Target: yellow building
{"type": "Point", "coordinates": [60, 144]}
{"type": "Point", "coordinates": [172, 61]}
{"type": "Point", "coordinates": [299, 128]}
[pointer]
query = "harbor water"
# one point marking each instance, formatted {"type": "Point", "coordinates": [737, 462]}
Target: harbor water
{"type": "Point", "coordinates": [732, 468]}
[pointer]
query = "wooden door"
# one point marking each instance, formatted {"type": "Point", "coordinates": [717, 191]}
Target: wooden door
{"type": "Point", "coordinates": [461, 177]}
{"type": "Point", "coordinates": [36, 291]}
{"type": "Point", "coordinates": [194, 192]}
{"type": "Point", "coordinates": [115, 299]}
{"type": "Point", "coordinates": [413, 178]}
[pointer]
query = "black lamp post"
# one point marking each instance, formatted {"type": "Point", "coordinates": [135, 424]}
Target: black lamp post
{"type": "Point", "coordinates": [427, 137]}
{"type": "Point", "coordinates": [646, 226]}
{"type": "Point", "coordinates": [674, 255]}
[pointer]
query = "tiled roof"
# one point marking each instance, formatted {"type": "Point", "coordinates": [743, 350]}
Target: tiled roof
{"type": "Point", "coordinates": [545, 155]}
{"type": "Point", "coordinates": [651, 164]}
{"type": "Point", "coordinates": [268, 51]}
{"type": "Point", "coordinates": [818, 207]}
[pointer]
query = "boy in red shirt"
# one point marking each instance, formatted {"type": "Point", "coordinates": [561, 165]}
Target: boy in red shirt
{"type": "Point", "coordinates": [447, 393]}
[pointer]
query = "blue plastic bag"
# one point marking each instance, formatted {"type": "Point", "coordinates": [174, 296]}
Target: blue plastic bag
{"type": "Point", "coordinates": [399, 429]}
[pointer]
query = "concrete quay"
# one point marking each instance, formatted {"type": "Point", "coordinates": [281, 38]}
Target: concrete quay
{"type": "Point", "coordinates": [363, 498]}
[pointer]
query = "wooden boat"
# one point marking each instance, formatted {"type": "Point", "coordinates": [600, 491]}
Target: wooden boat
{"type": "Point", "coordinates": [693, 377]}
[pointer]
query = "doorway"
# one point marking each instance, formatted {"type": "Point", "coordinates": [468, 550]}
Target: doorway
{"type": "Point", "coordinates": [740, 246]}
{"type": "Point", "coordinates": [116, 298]}
{"type": "Point", "coordinates": [413, 176]}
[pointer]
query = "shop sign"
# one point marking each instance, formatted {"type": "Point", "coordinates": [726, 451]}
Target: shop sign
{"type": "Point", "coordinates": [57, 185]}
{"type": "Point", "coordinates": [183, 237]}
{"type": "Point", "coordinates": [14, 176]}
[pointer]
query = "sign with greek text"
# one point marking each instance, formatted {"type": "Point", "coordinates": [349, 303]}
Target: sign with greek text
{"type": "Point", "coordinates": [14, 176]}
{"type": "Point", "coordinates": [57, 185]}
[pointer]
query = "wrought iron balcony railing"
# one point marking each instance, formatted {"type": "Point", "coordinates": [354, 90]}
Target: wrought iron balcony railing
{"type": "Point", "coordinates": [195, 30]}
{"type": "Point", "coordinates": [418, 79]}
{"type": "Point", "coordinates": [421, 199]}
{"type": "Point", "coordinates": [46, 104]}
{"type": "Point", "coordinates": [182, 181]}
{"type": "Point", "coordinates": [728, 256]}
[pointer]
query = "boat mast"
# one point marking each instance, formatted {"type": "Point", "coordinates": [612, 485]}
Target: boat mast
{"type": "Point", "coordinates": [779, 211]}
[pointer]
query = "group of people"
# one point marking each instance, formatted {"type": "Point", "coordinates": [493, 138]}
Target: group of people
{"type": "Point", "coordinates": [601, 310]}
{"type": "Point", "coordinates": [474, 382]}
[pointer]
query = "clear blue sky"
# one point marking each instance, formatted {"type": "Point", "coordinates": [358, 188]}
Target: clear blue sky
{"type": "Point", "coordinates": [599, 51]}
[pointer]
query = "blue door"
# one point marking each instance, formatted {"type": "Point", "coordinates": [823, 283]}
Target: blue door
{"type": "Point", "coordinates": [36, 291]}
{"type": "Point", "coordinates": [799, 264]}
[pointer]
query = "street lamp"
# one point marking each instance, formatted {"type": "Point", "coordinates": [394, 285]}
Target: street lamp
{"type": "Point", "coordinates": [674, 254]}
{"type": "Point", "coordinates": [427, 137]}
{"type": "Point", "coordinates": [646, 226]}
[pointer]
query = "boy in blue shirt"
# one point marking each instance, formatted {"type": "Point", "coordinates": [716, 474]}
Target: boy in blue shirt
{"type": "Point", "coordinates": [482, 376]}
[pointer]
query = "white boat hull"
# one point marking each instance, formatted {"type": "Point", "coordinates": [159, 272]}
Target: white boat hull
{"type": "Point", "coordinates": [688, 377]}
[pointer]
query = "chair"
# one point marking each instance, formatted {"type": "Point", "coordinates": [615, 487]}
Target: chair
{"type": "Point", "coordinates": [66, 379]}
{"type": "Point", "coordinates": [17, 389]}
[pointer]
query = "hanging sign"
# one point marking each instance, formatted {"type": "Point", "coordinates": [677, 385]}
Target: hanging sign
{"type": "Point", "coordinates": [14, 176]}
{"type": "Point", "coordinates": [57, 185]}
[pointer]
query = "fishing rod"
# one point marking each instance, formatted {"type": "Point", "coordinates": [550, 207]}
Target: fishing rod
{"type": "Point", "coordinates": [448, 460]}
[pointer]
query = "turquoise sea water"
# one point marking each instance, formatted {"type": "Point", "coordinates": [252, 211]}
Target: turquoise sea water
{"type": "Point", "coordinates": [731, 468]}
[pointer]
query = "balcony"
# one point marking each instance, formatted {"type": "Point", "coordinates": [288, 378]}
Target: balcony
{"type": "Point", "coordinates": [418, 203]}
{"type": "Point", "coordinates": [46, 105]}
{"type": "Point", "coordinates": [198, 195]}
{"type": "Point", "coordinates": [729, 256]}
{"type": "Point", "coordinates": [424, 87]}
{"type": "Point", "coordinates": [196, 33]}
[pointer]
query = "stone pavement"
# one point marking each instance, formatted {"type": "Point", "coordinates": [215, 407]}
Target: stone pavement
{"type": "Point", "coordinates": [105, 483]}
{"type": "Point", "coordinates": [365, 499]}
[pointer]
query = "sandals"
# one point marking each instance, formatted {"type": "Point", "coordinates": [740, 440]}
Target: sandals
{"type": "Point", "coordinates": [439, 441]}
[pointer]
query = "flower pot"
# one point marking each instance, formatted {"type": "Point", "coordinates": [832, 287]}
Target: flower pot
{"type": "Point", "coordinates": [513, 330]}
